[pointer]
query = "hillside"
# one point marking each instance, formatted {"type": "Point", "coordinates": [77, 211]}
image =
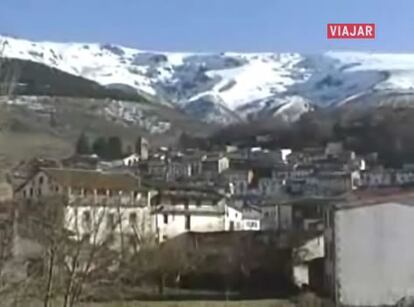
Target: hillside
{"type": "Point", "coordinates": [49, 126]}
{"type": "Point", "coordinates": [229, 87]}
{"type": "Point", "coordinates": [35, 79]}
{"type": "Point", "coordinates": [385, 130]}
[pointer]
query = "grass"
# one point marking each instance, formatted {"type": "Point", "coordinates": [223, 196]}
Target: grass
{"type": "Point", "coordinates": [256, 303]}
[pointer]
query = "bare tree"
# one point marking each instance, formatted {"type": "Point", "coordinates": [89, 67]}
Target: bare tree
{"type": "Point", "coordinates": [67, 258]}
{"type": "Point", "coordinates": [8, 80]}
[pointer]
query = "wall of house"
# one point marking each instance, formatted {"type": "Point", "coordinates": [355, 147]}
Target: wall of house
{"type": "Point", "coordinates": [171, 225]}
{"type": "Point", "coordinates": [6, 191]}
{"type": "Point", "coordinates": [276, 218]}
{"type": "Point", "coordinates": [269, 186]}
{"type": "Point", "coordinates": [251, 224]}
{"type": "Point", "coordinates": [310, 250]}
{"type": "Point", "coordinates": [39, 186]}
{"type": "Point", "coordinates": [203, 218]}
{"type": "Point", "coordinates": [374, 254]}
{"type": "Point", "coordinates": [233, 219]}
{"type": "Point", "coordinates": [101, 221]}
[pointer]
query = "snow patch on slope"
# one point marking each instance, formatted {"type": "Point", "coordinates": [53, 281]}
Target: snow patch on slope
{"type": "Point", "coordinates": [227, 87]}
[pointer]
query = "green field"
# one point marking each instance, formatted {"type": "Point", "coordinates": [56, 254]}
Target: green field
{"type": "Point", "coordinates": [257, 303]}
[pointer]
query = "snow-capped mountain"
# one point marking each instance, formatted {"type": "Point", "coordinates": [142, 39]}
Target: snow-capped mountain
{"type": "Point", "coordinates": [228, 87]}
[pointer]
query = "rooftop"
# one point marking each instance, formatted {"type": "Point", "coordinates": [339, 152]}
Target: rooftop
{"type": "Point", "coordinates": [80, 178]}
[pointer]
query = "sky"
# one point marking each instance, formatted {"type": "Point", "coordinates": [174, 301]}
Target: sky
{"type": "Point", "coordinates": [211, 25]}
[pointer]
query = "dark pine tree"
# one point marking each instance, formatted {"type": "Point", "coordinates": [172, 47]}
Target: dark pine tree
{"type": "Point", "coordinates": [82, 145]}
{"type": "Point", "coordinates": [100, 147]}
{"type": "Point", "coordinates": [114, 148]}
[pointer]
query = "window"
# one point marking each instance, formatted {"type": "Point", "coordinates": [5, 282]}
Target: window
{"type": "Point", "coordinates": [39, 192]}
{"type": "Point", "coordinates": [133, 218]}
{"type": "Point", "coordinates": [231, 226]}
{"type": "Point", "coordinates": [31, 192]}
{"type": "Point", "coordinates": [24, 193]}
{"type": "Point", "coordinates": [41, 180]}
{"type": "Point", "coordinates": [165, 218]}
{"type": "Point", "coordinates": [188, 222]}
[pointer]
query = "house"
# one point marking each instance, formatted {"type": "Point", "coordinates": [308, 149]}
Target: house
{"type": "Point", "coordinates": [301, 171]}
{"type": "Point", "coordinates": [251, 218]}
{"type": "Point", "coordinates": [377, 178]}
{"type": "Point", "coordinates": [334, 149]}
{"type": "Point", "coordinates": [308, 258]}
{"type": "Point", "coordinates": [116, 200]}
{"type": "Point", "coordinates": [285, 154]}
{"type": "Point", "coordinates": [212, 166]}
{"type": "Point", "coordinates": [275, 217]}
{"type": "Point", "coordinates": [179, 168]}
{"type": "Point", "coordinates": [181, 209]}
{"type": "Point", "coordinates": [335, 183]}
{"type": "Point", "coordinates": [142, 148]}
{"type": "Point", "coordinates": [295, 214]}
{"type": "Point", "coordinates": [404, 177]}
{"type": "Point", "coordinates": [81, 161]}
{"type": "Point", "coordinates": [155, 168]}
{"type": "Point", "coordinates": [369, 249]}
{"type": "Point", "coordinates": [6, 191]}
{"type": "Point", "coordinates": [313, 154]}
{"type": "Point", "coordinates": [269, 186]}
{"type": "Point", "coordinates": [239, 179]}
{"type": "Point", "coordinates": [131, 160]}
{"type": "Point", "coordinates": [251, 213]}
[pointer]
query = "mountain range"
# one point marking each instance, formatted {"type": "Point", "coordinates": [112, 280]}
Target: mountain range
{"type": "Point", "coordinates": [231, 87]}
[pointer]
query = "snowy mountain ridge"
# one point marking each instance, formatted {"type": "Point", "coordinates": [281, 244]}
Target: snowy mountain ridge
{"type": "Point", "coordinates": [230, 86]}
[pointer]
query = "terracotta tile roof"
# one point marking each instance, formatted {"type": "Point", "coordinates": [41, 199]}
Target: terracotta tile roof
{"type": "Point", "coordinates": [89, 179]}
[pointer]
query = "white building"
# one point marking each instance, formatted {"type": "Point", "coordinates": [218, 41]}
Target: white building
{"type": "Point", "coordinates": [96, 203]}
{"type": "Point", "coordinates": [251, 218]}
{"type": "Point", "coordinates": [183, 210]}
{"type": "Point", "coordinates": [131, 160]}
{"type": "Point", "coordinates": [285, 154]}
{"type": "Point", "coordinates": [369, 250]}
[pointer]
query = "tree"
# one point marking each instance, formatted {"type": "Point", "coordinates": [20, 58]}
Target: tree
{"type": "Point", "coordinates": [66, 259]}
{"type": "Point", "coordinates": [114, 148]}
{"type": "Point", "coordinates": [82, 145]}
{"type": "Point", "coordinates": [8, 81]}
{"type": "Point", "coordinates": [100, 147]}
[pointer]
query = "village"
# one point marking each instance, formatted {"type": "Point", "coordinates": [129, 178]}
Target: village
{"type": "Point", "coordinates": [334, 221]}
